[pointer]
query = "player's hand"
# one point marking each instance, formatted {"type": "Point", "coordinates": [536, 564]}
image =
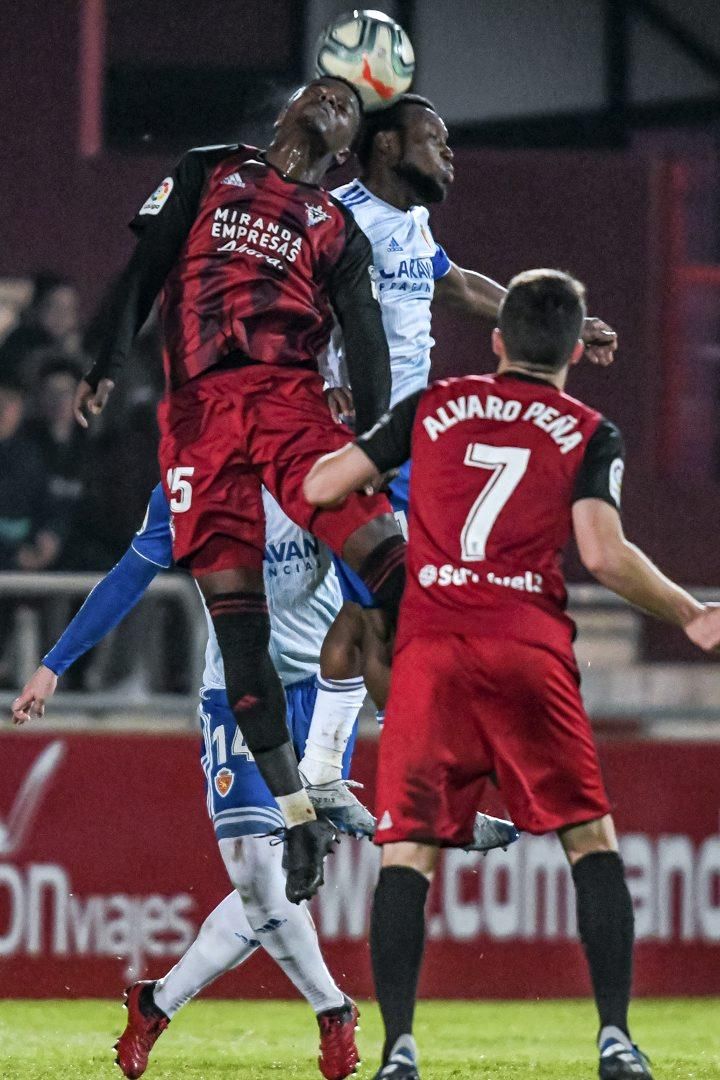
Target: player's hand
{"type": "Point", "coordinates": [30, 702]}
{"type": "Point", "coordinates": [91, 401]}
{"type": "Point", "coordinates": [704, 630]}
{"type": "Point", "coordinates": [600, 342]}
{"type": "Point", "coordinates": [340, 404]}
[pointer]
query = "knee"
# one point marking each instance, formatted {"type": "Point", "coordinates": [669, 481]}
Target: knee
{"type": "Point", "coordinates": [590, 838]}
{"type": "Point", "coordinates": [412, 856]}
{"type": "Point", "coordinates": [341, 653]}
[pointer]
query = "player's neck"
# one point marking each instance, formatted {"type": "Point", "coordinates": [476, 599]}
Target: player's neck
{"type": "Point", "coordinates": [298, 159]}
{"type": "Point", "coordinates": [552, 378]}
{"type": "Point", "coordinates": [390, 188]}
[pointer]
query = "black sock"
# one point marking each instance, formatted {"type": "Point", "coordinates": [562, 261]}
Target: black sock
{"type": "Point", "coordinates": [254, 691]}
{"type": "Point", "coordinates": [606, 923]}
{"type": "Point", "coordinates": [383, 571]}
{"type": "Point", "coordinates": [397, 940]}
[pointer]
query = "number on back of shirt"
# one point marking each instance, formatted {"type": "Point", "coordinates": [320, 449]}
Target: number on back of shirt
{"type": "Point", "coordinates": [239, 747]}
{"type": "Point", "coordinates": [180, 488]}
{"type": "Point", "coordinates": [507, 466]}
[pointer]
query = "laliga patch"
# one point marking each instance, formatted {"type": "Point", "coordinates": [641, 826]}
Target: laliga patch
{"type": "Point", "coordinates": [316, 214]}
{"type": "Point", "coordinates": [159, 197]}
{"type": "Point", "coordinates": [615, 479]}
{"type": "Point", "coordinates": [224, 780]}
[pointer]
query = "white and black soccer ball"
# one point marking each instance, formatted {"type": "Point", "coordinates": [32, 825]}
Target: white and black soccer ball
{"type": "Point", "coordinates": [370, 50]}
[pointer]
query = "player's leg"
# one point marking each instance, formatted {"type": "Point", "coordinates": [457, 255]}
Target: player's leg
{"type": "Point", "coordinates": [238, 609]}
{"type": "Point", "coordinates": [286, 931]}
{"type": "Point", "coordinates": [606, 925]}
{"type": "Point", "coordinates": [312, 708]}
{"type": "Point", "coordinates": [430, 779]}
{"type": "Point", "coordinates": [339, 698]}
{"type": "Point", "coordinates": [543, 753]}
{"type": "Point", "coordinates": [397, 943]}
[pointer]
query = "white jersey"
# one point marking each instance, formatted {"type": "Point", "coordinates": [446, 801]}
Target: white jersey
{"type": "Point", "coordinates": [407, 262]}
{"type": "Point", "coordinates": [303, 597]}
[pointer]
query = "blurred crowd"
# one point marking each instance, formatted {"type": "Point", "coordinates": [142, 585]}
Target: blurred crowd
{"type": "Point", "coordinates": [70, 500]}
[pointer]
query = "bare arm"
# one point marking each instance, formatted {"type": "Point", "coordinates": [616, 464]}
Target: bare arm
{"type": "Point", "coordinates": [469, 292]}
{"type": "Point", "coordinates": [623, 568]}
{"type": "Point", "coordinates": [479, 296]}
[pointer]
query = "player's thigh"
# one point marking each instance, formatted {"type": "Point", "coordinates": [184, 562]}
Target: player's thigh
{"type": "Point", "coordinates": [531, 717]}
{"type": "Point", "coordinates": [213, 492]}
{"type": "Point", "coordinates": [432, 765]}
{"type": "Point", "coordinates": [238, 800]}
{"type": "Point", "coordinates": [288, 427]}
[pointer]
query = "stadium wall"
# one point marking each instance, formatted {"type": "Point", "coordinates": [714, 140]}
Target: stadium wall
{"type": "Point", "coordinates": [108, 865]}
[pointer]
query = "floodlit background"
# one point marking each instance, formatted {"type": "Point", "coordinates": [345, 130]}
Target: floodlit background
{"type": "Point", "coordinates": [587, 137]}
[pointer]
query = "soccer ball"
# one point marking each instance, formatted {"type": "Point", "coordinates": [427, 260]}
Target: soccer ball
{"type": "Point", "coordinates": [370, 50]}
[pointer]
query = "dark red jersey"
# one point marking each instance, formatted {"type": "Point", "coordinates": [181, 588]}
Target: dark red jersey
{"type": "Point", "coordinates": [497, 462]}
{"type": "Point", "coordinates": [253, 267]}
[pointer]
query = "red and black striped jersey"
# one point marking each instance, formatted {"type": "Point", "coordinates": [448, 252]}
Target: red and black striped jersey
{"type": "Point", "coordinates": [253, 267]}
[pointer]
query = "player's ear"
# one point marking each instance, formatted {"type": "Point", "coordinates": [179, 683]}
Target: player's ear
{"type": "Point", "coordinates": [577, 354]}
{"type": "Point", "coordinates": [388, 143]}
{"type": "Point", "coordinates": [498, 345]}
{"type": "Point", "coordinates": [341, 156]}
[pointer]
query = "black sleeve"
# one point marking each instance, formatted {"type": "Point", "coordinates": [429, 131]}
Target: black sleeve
{"type": "Point", "coordinates": [352, 294]}
{"type": "Point", "coordinates": [161, 225]}
{"type": "Point", "coordinates": [601, 472]}
{"type": "Point", "coordinates": [388, 443]}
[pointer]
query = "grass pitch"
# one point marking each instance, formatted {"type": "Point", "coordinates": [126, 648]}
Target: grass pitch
{"type": "Point", "coordinates": [240, 1040]}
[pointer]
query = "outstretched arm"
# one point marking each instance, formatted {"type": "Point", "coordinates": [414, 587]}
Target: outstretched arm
{"type": "Point", "coordinates": [106, 606]}
{"type": "Point", "coordinates": [479, 296]}
{"type": "Point", "coordinates": [359, 465]}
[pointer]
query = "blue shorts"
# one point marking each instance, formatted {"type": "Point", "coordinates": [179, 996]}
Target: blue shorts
{"type": "Point", "coordinates": [353, 587]}
{"type": "Point", "coordinates": [238, 800]}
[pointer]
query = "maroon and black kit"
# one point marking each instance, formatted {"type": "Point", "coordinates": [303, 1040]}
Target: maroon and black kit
{"type": "Point", "coordinates": [252, 268]}
{"type": "Point", "coordinates": [498, 462]}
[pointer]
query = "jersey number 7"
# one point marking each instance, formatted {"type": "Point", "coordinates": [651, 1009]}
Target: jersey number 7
{"type": "Point", "coordinates": [507, 466]}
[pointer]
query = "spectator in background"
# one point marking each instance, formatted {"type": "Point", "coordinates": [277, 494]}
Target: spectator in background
{"type": "Point", "coordinates": [60, 441]}
{"type": "Point", "coordinates": [50, 322]}
{"type": "Point", "coordinates": [27, 541]}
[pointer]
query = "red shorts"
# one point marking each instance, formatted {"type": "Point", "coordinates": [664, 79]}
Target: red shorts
{"type": "Point", "coordinates": [225, 434]}
{"type": "Point", "coordinates": [463, 708]}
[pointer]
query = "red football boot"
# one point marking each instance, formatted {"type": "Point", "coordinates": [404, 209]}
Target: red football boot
{"type": "Point", "coordinates": [339, 1055]}
{"type": "Point", "coordinates": [145, 1025]}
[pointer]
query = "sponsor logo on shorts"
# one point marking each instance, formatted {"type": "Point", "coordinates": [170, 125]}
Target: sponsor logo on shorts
{"type": "Point", "coordinates": [224, 781]}
{"type": "Point", "coordinates": [155, 203]}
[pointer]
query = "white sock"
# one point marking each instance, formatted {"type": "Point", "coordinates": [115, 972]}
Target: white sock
{"type": "Point", "coordinates": [284, 930]}
{"type": "Point", "coordinates": [224, 940]}
{"type": "Point", "coordinates": [336, 709]}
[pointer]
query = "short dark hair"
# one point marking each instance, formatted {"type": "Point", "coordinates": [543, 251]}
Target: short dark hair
{"type": "Point", "coordinates": [340, 78]}
{"type": "Point", "coordinates": [389, 118]}
{"type": "Point", "coordinates": [541, 318]}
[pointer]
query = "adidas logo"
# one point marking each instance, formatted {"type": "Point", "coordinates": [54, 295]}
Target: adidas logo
{"type": "Point", "coordinates": [394, 246]}
{"type": "Point", "coordinates": [386, 822]}
{"type": "Point", "coordinates": [234, 180]}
